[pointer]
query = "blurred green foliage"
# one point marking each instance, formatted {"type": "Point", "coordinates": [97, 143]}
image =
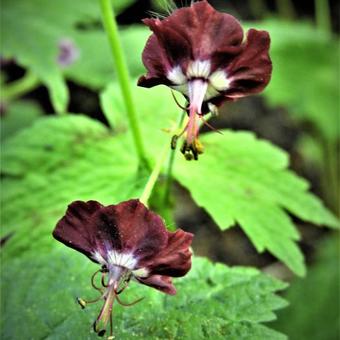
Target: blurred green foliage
{"type": "Point", "coordinates": [19, 114]}
{"type": "Point", "coordinates": [314, 301]}
{"type": "Point", "coordinates": [305, 75]}
{"type": "Point", "coordinates": [35, 29]}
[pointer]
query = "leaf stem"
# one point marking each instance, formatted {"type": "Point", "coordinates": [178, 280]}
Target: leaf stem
{"type": "Point", "coordinates": [19, 87]}
{"type": "Point", "coordinates": [168, 182]}
{"type": "Point", "coordinates": [323, 16]}
{"type": "Point", "coordinates": [144, 198]}
{"type": "Point", "coordinates": [122, 71]}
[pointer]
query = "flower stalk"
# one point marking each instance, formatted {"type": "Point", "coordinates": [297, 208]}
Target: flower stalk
{"type": "Point", "coordinates": [123, 76]}
{"type": "Point", "coordinates": [144, 198]}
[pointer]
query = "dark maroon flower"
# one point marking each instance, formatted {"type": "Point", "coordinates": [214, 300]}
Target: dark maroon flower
{"type": "Point", "coordinates": [129, 242]}
{"type": "Point", "coordinates": [203, 54]}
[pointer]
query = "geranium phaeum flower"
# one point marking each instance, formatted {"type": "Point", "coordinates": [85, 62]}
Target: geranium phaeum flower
{"type": "Point", "coordinates": [203, 54]}
{"type": "Point", "coordinates": [129, 242]}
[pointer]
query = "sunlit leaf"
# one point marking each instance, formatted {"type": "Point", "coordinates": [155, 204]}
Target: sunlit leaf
{"type": "Point", "coordinates": [240, 179]}
{"type": "Point", "coordinates": [59, 160]}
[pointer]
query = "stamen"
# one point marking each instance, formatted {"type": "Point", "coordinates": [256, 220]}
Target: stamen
{"type": "Point", "coordinates": [104, 317]}
{"type": "Point", "coordinates": [83, 302]}
{"type": "Point", "coordinates": [103, 280]}
{"type": "Point", "coordinates": [174, 142]}
{"type": "Point", "coordinates": [126, 283]}
{"type": "Point", "coordinates": [93, 280]}
{"type": "Point", "coordinates": [128, 304]}
{"type": "Point", "coordinates": [178, 104]}
{"type": "Point", "coordinates": [210, 126]}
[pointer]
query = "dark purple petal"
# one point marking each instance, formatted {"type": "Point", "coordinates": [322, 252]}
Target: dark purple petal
{"type": "Point", "coordinates": [174, 259]}
{"type": "Point", "coordinates": [155, 60]}
{"type": "Point", "coordinates": [75, 229]}
{"type": "Point", "coordinates": [129, 227]}
{"type": "Point", "coordinates": [198, 32]}
{"type": "Point", "coordinates": [162, 283]}
{"type": "Point", "coordinates": [251, 70]}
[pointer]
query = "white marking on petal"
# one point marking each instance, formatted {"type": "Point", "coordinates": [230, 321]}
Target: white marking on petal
{"type": "Point", "coordinates": [99, 258]}
{"type": "Point", "coordinates": [199, 69]}
{"type": "Point", "coordinates": [115, 258]}
{"type": "Point", "coordinates": [177, 76]}
{"type": "Point", "coordinates": [125, 260]}
{"type": "Point", "coordinates": [219, 80]}
{"type": "Point", "coordinates": [141, 272]}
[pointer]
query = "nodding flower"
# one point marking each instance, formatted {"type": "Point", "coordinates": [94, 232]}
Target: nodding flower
{"type": "Point", "coordinates": [203, 54]}
{"type": "Point", "coordinates": [129, 242]}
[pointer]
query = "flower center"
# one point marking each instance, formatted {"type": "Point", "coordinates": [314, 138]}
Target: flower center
{"type": "Point", "coordinates": [116, 272]}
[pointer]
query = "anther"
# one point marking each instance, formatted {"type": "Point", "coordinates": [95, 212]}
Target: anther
{"type": "Point", "coordinates": [81, 302]}
{"type": "Point", "coordinates": [100, 332]}
{"type": "Point", "coordinates": [174, 142]}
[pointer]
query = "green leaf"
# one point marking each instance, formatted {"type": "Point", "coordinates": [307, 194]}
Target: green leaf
{"type": "Point", "coordinates": [33, 30]}
{"type": "Point", "coordinates": [95, 67]}
{"type": "Point", "coordinates": [240, 179]}
{"type": "Point", "coordinates": [18, 115]}
{"type": "Point", "coordinates": [314, 312]}
{"type": "Point", "coordinates": [157, 115]}
{"type": "Point", "coordinates": [305, 74]}
{"type": "Point", "coordinates": [56, 161]}
{"type": "Point", "coordinates": [230, 302]}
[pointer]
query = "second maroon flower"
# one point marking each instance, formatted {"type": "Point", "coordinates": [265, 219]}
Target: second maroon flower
{"type": "Point", "coordinates": [202, 53]}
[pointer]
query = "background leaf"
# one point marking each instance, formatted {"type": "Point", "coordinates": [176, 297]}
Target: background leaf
{"type": "Point", "coordinates": [158, 114]}
{"type": "Point", "coordinates": [18, 115]}
{"type": "Point", "coordinates": [243, 180]}
{"type": "Point", "coordinates": [56, 161]}
{"type": "Point", "coordinates": [35, 46]}
{"type": "Point", "coordinates": [95, 67]}
{"type": "Point", "coordinates": [305, 74]}
{"type": "Point", "coordinates": [319, 291]}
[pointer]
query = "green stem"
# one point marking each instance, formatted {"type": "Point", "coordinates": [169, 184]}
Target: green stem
{"type": "Point", "coordinates": [19, 87]}
{"type": "Point", "coordinates": [286, 9]}
{"type": "Point", "coordinates": [168, 182]}
{"type": "Point", "coordinates": [258, 9]}
{"type": "Point", "coordinates": [323, 16]}
{"type": "Point", "coordinates": [144, 198]}
{"type": "Point", "coordinates": [122, 72]}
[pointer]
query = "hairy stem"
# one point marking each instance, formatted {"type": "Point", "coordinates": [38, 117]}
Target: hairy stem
{"type": "Point", "coordinates": [144, 198]}
{"type": "Point", "coordinates": [19, 87]}
{"type": "Point", "coordinates": [122, 72]}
